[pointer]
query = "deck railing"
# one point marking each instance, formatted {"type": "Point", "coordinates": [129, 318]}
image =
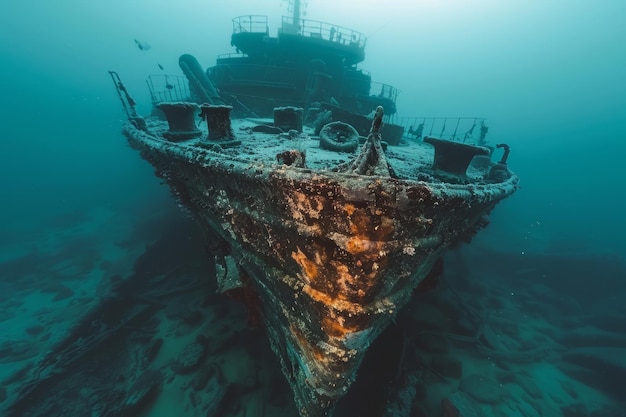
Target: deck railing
{"type": "Point", "coordinates": [460, 129]}
{"type": "Point", "coordinates": [168, 88]}
{"type": "Point", "coordinates": [231, 55]}
{"type": "Point", "coordinates": [251, 24]}
{"type": "Point", "coordinates": [323, 30]}
{"type": "Point", "coordinates": [384, 91]}
{"type": "Point", "coordinates": [304, 27]}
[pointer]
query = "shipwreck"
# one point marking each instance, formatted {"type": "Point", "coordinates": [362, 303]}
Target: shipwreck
{"type": "Point", "coordinates": [328, 219]}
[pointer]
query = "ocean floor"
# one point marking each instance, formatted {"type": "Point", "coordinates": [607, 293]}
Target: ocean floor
{"type": "Point", "coordinates": [104, 317]}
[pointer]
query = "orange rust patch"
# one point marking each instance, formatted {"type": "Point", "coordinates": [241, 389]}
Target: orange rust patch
{"type": "Point", "coordinates": [372, 226]}
{"type": "Point", "coordinates": [337, 304]}
{"type": "Point", "coordinates": [333, 328]}
{"type": "Point", "coordinates": [349, 208]}
{"type": "Point", "coordinates": [318, 355]}
{"type": "Point", "coordinates": [308, 267]}
{"type": "Point", "coordinates": [357, 244]}
{"type": "Point", "coordinates": [343, 279]}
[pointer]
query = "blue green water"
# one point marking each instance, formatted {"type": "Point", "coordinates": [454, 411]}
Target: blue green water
{"type": "Point", "coordinates": [549, 77]}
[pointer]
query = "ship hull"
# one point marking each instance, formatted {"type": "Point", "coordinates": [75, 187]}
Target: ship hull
{"type": "Point", "coordinates": [331, 256]}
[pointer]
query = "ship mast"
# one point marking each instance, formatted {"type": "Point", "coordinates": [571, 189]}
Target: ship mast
{"type": "Point", "coordinates": [296, 11]}
{"type": "Point", "coordinates": [295, 7]}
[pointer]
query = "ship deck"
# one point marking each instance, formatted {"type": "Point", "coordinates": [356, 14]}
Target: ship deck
{"type": "Point", "coordinates": [411, 160]}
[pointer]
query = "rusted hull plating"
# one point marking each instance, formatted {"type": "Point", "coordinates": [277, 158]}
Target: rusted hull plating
{"type": "Point", "coordinates": [332, 256]}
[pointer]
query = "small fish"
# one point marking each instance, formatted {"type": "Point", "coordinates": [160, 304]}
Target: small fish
{"type": "Point", "coordinates": [143, 46]}
{"type": "Point", "coordinates": [169, 86]}
{"type": "Point", "coordinates": [161, 66]}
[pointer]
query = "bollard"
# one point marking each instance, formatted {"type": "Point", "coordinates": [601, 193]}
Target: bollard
{"type": "Point", "coordinates": [180, 118]}
{"type": "Point", "coordinates": [288, 118]}
{"type": "Point", "coordinates": [218, 122]}
{"type": "Point", "coordinates": [454, 157]}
